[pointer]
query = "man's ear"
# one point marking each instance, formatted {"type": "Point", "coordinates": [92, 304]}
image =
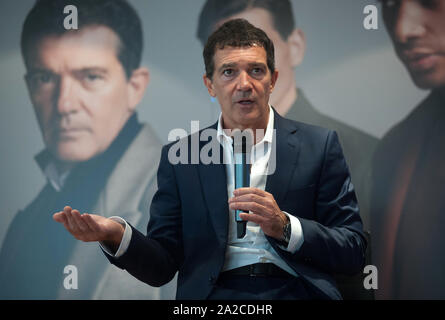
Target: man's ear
{"type": "Point", "coordinates": [209, 84]}
{"type": "Point", "coordinates": [137, 84]}
{"type": "Point", "coordinates": [273, 81]}
{"type": "Point", "coordinates": [297, 46]}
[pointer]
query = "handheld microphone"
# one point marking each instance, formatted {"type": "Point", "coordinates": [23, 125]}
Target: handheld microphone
{"type": "Point", "coordinates": [241, 152]}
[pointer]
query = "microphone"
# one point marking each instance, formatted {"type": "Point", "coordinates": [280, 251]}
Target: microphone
{"type": "Point", "coordinates": [241, 155]}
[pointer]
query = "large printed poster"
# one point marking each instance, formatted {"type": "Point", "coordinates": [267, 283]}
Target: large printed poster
{"type": "Point", "coordinates": [89, 95]}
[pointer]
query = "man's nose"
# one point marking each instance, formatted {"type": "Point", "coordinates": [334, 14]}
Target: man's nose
{"type": "Point", "coordinates": [409, 21]}
{"type": "Point", "coordinates": [65, 96]}
{"type": "Point", "coordinates": [244, 82]}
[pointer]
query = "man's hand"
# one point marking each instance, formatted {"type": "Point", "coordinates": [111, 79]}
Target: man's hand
{"type": "Point", "coordinates": [91, 227]}
{"type": "Point", "coordinates": [265, 211]}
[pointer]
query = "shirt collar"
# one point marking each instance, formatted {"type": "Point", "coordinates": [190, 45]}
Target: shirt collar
{"type": "Point", "coordinates": [56, 179]}
{"type": "Point", "coordinates": [49, 169]}
{"type": "Point", "coordinates": [268, 136]}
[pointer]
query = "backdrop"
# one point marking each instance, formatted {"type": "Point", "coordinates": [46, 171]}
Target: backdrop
{"type": "Point", "coordinates": [348, 72]}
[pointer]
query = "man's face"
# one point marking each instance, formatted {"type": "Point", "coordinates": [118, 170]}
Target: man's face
{"type": "Point", "coordinates": [242, 83]}
{"type": "Point", "coordinates": [79, 92]}
{"type": "Point", "coordinates": [286, 58]}
{"type": "Point", "coordinates": [417, 29]}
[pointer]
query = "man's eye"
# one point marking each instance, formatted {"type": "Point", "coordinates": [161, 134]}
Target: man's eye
{"type": "Point", "coordinates": [257, 70]}
{"type": "Point", "coordinates": [430, 4]}
{"type": "Point", "coordinates": [40, 79]}
{"type": "Point", "coordinates": [92, 77]}
{"type": "Point", "coordinates": [44, 78]}
{"type": "Point", "coordinates": [228, 72]}
{"type": "Point", "coordinates": [389, 3]}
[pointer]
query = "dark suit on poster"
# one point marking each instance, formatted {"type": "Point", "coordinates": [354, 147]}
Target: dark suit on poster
{"type": "Point", "coordinates": [409, 205]}
{"type": "Point", "coordinates": [120, 181]}
{"type": "Point", "coordinates": [358, 148]}
{"type": "Point", "coordinates": [188, 228]}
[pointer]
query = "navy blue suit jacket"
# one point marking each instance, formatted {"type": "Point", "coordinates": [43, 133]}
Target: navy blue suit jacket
{"type": "Point", "coordinates": [188, 225]}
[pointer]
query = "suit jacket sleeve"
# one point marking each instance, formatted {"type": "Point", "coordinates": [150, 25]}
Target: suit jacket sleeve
{"type": "Point", "coordinates": [155, 258]}
{"type": "Point", "coordinates": [334, 239]}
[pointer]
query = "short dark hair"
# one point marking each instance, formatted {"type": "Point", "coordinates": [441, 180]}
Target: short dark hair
{"type": "Point", "coordinates": [216, 10]}
{"type": "Point", "coordinates": [46, 18]}
{"type": "Point", "coordinates": [238, 33]}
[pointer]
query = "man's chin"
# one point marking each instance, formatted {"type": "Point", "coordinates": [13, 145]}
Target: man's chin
{"type": "Point", "coordinates": [70, 154]}
{"type": "Point", "coordinates": [247, 120]}
{"type": "Point", "coordinates": [428, 81]}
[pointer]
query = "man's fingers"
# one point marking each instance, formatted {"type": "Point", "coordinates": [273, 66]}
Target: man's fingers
{"type": "Point", "coordinates": [250, 197]}
{"type": "Point", "coordinates": [92, 224]}
{"type": "Point", "coordinates": [81, 225]}
{"type": "Point", "coordinates": [68, 219]}
{"type": "Point", "coordinates": [248, 206]}
{"type": "Point", "coordinates": [84, 227]}
{"type": "Point", "coordinates": [242, 191]}
{"type": "Point", "coordinates": [252, 217]}
{"type": "Point", "coordinates": [67, 215]}
{"type": "Point", "coordinates": [59, 217]}
{"type": "Point", "coordinates": [73, 227]}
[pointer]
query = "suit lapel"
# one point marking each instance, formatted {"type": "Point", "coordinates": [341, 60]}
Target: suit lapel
{"type": "Point", "coordinates": [287, 150]}
{"type": "Point", "coordinates": [214, 188]}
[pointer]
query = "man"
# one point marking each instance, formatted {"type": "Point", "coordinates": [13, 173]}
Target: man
{"type": "Point", "coordinates": [409, 171]}
{"type": "Point", "coordinates": [275, 17]}
{"type": "Point", "coordinates": [84, 85]}
{"type": "Point", "coordinates": [304, 223]}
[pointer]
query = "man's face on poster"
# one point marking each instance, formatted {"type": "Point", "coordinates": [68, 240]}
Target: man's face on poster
{"type": "Point", "coordinates": [80, 92]}
{"type": "Point", "coordinates": [417, 29]}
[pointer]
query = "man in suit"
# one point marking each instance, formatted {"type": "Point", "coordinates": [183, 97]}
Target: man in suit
{"type": "Point", "coordinates": [84, 85]}
{"type": "Point", "coordinates": [304, 222]}
{"type": "Point", "coordinates": [409, 165]}
{"type": "Point", "coordinates": [276, 18]}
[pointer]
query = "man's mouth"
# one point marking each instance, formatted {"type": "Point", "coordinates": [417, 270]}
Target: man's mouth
{"type": "Point", "coordinates": [245, 102]}
{"type": "Point", "coordinates": [70, 132]}
{"type": "Point", "coordinates": [419, 61]}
